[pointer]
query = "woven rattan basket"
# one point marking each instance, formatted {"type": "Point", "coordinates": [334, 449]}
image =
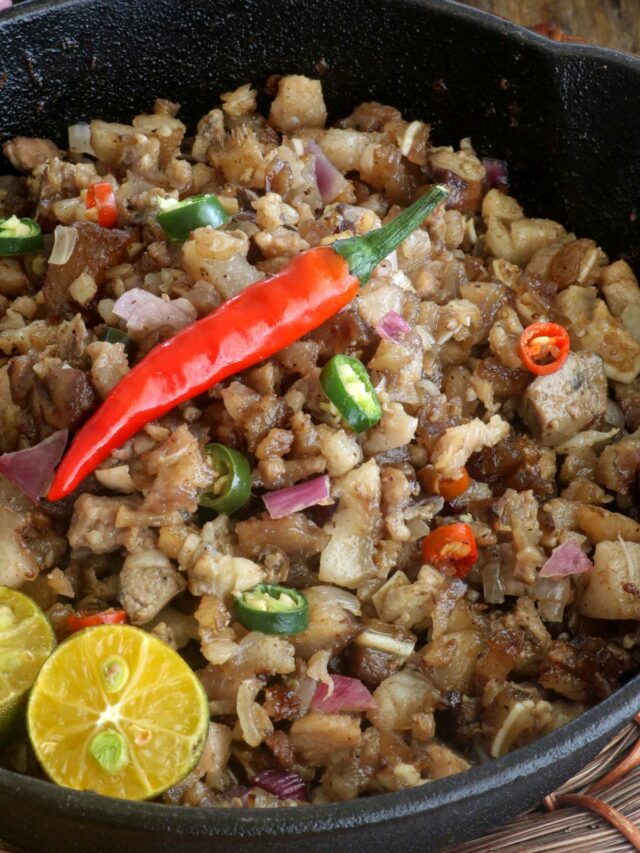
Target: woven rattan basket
{"type": "Point", "coordinates": [594, 812]}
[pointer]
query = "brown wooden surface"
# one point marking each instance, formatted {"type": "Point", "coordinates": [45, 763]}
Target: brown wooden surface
{"type": "Point", "coordinates": [613, 23]}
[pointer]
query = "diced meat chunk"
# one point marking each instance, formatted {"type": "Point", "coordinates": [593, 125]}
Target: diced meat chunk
{"type": "Point", "coordinates": [601, 525]}
{"type": "Point", "coordinates": [319, 738]}
{"type": "Point", "coordinates": [93, 524]}
{"type": "Point", "coordinates": [299, 103]}
{"type": "Point", "coordinates": [399, 698]}
{"type": "Point", "coordinates": [458, 443]}
{"type": "Point", "coordinates": [330, 626]}
{"type": "Point", "coordinates": [109, 365]}
{"type": "Point", "coordinates": [557, 406]}
{"type": "Point", "coordinates": [612, 589]}
{"type": "Point", "coordinates": [619, 463]}
{"type": "Point", "coordinates": [28, 544]}
{"type": "Point", "coordinates": [296, 535]}
{"type": "Point", "coordinates": [26, 153]}
{"type": "Point", "coordinates": [95, 251]}
{"type": "Point", "coordinates": [148, 582]}
{"type": "Point", "coordinates": [348, 558]}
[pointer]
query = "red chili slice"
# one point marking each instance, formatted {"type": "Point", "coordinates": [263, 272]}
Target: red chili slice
{"type": "Point", "coordinates": [78, 621]}
{"type": "Point", "coordinates": [544, 347]}
{"type": "Point", "coordinates": [101, 195]}
{"type": "Point", "coordinates": [451, 545]}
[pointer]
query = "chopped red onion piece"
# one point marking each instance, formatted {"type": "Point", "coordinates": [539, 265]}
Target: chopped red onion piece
{"type": "Point", "coordinates": [329, 179]}
{"type": "Point", "coordinates": [286, 786]}
{"type": "Point", "coordinates": [285, 501]}
{"type": "Point", "coordinates": [143, 311]}
{"type": "Point", "coordinates": [5, 4]}
{"type": "Point", "coordinates": [566, 559]}
{"type": "Point", "coordinates": [349, 694]}
{"type": "Point", "coordinates": [65, 237]}
{"type": "Point", "coordinates": [32, 469]}
{"type": "Point", "coordinates": [497, 173]}
{"type": "Point", "coordinates": [392, 326]}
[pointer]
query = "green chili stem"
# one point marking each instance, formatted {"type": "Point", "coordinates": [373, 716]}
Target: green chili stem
{"type": "Point", "coordinates": [363, 254]}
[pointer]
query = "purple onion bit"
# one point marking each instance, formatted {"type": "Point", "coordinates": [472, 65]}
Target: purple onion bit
{"type": "Point", "coordinates": [285, 785]}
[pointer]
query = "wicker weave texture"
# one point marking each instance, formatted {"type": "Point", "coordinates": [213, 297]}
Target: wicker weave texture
{"type": "Point", "coordinates": [559, 828]}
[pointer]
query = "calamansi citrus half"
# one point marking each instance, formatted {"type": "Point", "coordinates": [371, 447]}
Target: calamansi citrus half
{"type": "Point", "coordinates": [26, 641]}
{"type": "Point", "coordinates": [117, 711]}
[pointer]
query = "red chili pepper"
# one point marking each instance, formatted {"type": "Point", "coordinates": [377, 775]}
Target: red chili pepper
{"type": "Point", "coordinates": [453, 487]}
{"type": "Point", "coordinates": [260, 321]}
{"type": "Point", "coordinates": [544, 347]}
{"type": "Point", "coordinates": [451, 545]}
{"type": "Point", "coordinates": [101, 195]}
{"type": "Point", "coordinates": [78, 621]}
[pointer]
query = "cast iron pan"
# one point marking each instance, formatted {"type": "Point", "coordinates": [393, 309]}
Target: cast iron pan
{"type": "Point", "coordinates": [566, 119]}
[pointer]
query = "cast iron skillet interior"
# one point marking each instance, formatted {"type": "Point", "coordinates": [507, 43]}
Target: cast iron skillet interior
{"type": "Point", "coordinates": [565, 118]}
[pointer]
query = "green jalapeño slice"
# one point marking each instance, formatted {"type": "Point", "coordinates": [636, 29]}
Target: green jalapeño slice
{"type": "Point", "coordinates": [232, 485]}
{"type": "Point", "coordinates": [347, 384]}
{"type": "Point", "coordinates": [19, 236]}
{"type": "Point", "coordinates": [273, 609]}
{"type": "Point", "coordinates": [179, 218]}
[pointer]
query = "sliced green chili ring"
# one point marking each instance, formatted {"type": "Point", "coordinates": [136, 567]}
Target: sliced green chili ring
{"type": "Point", "coordinates": [273, 609]}
{"type": "Point", "coordinates": [179, 218]}
{"type": "Point", "coordinates": [115, 336]}
{"type": "Point", "coordinates": [346, 383]}
{"type": "Point", "coordinates": [19, 236]}
{"type": "Point", "coordinates": [232, 487]}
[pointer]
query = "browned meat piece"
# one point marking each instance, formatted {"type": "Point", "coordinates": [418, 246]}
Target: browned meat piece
{"type": "Point", "coordinates": [559, 405]}
{"type": "Point", "coordinates": [296, 535]}
{"type": "Point", "coordinates": [93, 525]}
{"type": "Point", "coordinates": [619, 463]}
{"type": "Point", "coordinates": [346, 332]}
{"type": "Point", "coordinates": [601, 525]}
{"type": "Point", "coordinates": [442, 761]}
{"type": "Point", "coordinates": [14, 196]}
{"type": "Point", "coordinates": [25, 153]}
{"type": "Point", "coordinates": [585, 669]}
{"type": "Point", "coordinates": [370, 117]}
{"type": "Point", "coordinates": [628, 398]}
{"type": "Point", "coordinates": [61, 398]}
{"type": "Point", "coordinates": [463, 174]}
{"type": "Point", "coordinates": [330, 627]}
{"type": "Point", "coordinates": [96, 250]}
{"type": "Point", "coordinates": [499, 658]}
{"type": "Point", "coordinates": [148, 581]}
{"type": "Point", "coordinates": [379, 651]}
{"type": "Point", "coordinates": [516, 716]}
{"type": "Point", "coordinates": [319, 738]}
{"type": "Point", "coordinates": [513, 463]}
{"type": "Point", "coordinates": [280, 745]}
{"type": "Point", "coordinates": [28, 544]}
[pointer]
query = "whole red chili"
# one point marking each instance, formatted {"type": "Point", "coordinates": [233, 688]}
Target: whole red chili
{"type": "Point", "coordinates": [452, 545]}
{"type": "Point", "coordinates": [264, 318]}
{"type": "Point", "coordinates": [544, 347]}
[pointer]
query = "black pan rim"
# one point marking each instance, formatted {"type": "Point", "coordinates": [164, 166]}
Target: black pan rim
{"type": "Point", "coordinates": [455, 9]}
{"type": "Point", "coordinates": [590, 728]}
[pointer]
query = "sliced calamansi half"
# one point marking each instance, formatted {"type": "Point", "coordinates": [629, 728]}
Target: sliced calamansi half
{"type": "Point", "coordinates": [116, 711]}
{"type": "Point", "coordinates": [26, 641]}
